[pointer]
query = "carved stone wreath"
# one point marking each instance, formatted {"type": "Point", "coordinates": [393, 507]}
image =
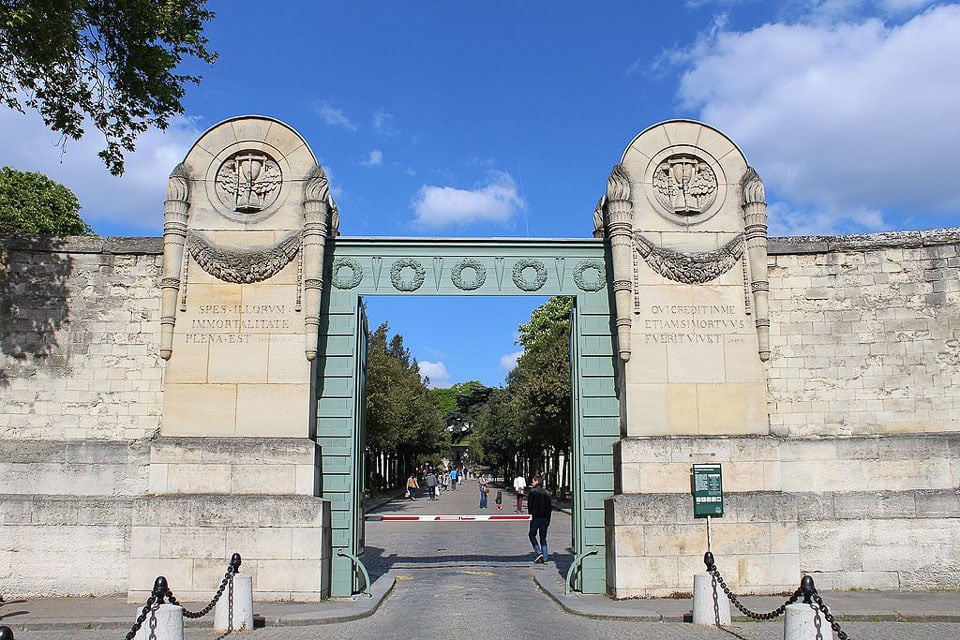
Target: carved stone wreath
{"type": "Point", "coordinates": [243, 266]}
{"type": "Point", "coordinates": [582, 284]}
{"type": "Point", "coordinates": [396, 273]}
{"type": "Point", "coordinates": [689, 268]}
{"type": "Point", "coordinates": [456, 276]}
{"type": "Point", "coordinates": [356, 273]}
{"type": "Point", "coordinates": [538, 281]}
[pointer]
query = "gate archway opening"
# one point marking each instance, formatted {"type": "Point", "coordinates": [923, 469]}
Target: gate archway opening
{"type": "Point", "coordinates": [361, 267]}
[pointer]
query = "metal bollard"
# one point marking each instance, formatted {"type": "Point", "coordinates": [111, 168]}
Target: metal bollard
{"type": "Point", "coordinates": [803, 620]}
{"type": "Point", "coordinates": [6, 633]}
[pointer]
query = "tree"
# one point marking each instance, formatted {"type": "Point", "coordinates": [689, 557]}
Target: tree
{"type": "Point", "coordinates": [33, 203]}
{"type": "Point", "coordinates": [112, 62]}
{"type": "Point", "coordinates": [402, 417]}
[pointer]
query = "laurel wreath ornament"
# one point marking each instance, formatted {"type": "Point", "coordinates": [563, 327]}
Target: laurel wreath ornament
{"type": "Point", "coordinates": [586, 265]}
{"type": "Point", "coordinates": [356, 273]}
{"type": "Point", "coordinates": [396, 274]}
{"type": "Point", "coordinates": [456, 276]}
{"type": "Point", "coordinates": [521, 282]}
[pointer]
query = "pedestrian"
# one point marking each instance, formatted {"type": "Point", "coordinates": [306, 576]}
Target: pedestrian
{"type": "Point", "coordinates": [453, 479]}
{"type": "Point", "coordinates": [540, 507]}
{"type": "Point", "coordinates": [519, 487]}
{"type": "Point", "coordinates": [445, 481]}
{"type": "Point", "coordinates": [412, 486]}
{"type": "Point", "coordinates": [499, 500]}
{"type": "Point", "coordinates": [431, 483]}
{"type": "Point", "coordinates": [484, 490]}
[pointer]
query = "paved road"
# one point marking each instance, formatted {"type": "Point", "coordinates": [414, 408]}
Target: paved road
{"type": "Point", "coordinates": [475, 580]}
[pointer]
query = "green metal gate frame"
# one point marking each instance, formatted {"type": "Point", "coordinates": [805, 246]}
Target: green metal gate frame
{"type": "Point", "coordinates": [358, 267]}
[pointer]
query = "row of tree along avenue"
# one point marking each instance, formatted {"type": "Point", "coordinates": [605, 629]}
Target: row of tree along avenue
{"type": "Point", "coordinates": [520, 428]}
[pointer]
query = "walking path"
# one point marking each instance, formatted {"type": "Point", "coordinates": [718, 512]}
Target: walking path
{"type": "Point", "coordinates": [410, 561]}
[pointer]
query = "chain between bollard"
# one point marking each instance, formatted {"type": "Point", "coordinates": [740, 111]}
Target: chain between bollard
{"type": "Point", "coordinates": [153, 603]}
{"type": "Point", "coordinates": [840, 633]}
{"type": "Point", "coordinates": [718, 579]}
{"type": "Point", "coordinates": [232, 570]}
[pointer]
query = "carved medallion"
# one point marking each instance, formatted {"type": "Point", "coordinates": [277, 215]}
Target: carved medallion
{"type": "Point", "coordinates": [685, 185]}
{"type": "Point", "coordinates": [396, 274]}
{"type": "Point", "coordinates": [351, 265]}
{"type": "Point", "coordinates": [590, 285]}
{"type": "Point", "coordinates": [248, 181]}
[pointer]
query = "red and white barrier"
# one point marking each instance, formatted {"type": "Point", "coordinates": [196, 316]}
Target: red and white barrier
{"type": "Point", "coordinates": [493, 517]}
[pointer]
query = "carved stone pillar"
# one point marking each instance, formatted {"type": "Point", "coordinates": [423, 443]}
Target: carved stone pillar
{"type": "Point", "coordinates": [598, 228]}
{"type": "Point", "coordinates": [174, 235]}
{"type": "Point", "coordinates": [316, 212]}
{"type": "Point", "coordinates": [755, 236]}
{"type": "Point", "coordinates": [619, 229]}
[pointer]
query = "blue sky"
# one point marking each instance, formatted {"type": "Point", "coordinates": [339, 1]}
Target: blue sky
{"type": "Point", "coordinates": [504, 118]}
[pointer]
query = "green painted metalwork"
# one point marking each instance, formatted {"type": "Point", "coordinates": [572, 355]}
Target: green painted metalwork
{"type": "Point", "coordinates": [359, 267]}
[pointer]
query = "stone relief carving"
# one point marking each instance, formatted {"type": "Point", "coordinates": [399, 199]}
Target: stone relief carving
{"type": "Point", "coordinates": [456, 276]}
{"type": "Point", "coordinates": [587, 265]}
{"type": "Point", "coordinates": [248, 181]}
{"type": "Point", "coordinates": [175, 212]}
{"type": "Point", "coordinates": [539, 280]}
{"type": "Point", "coordinates": [396, 274]}
{"type": "Point", "coordinates": [356, 273]}
{"type": "Point", "coordinates": [598, 227]}
{"type": "Point", "coordinates": [689, 268]}
{"type": "Point", "coordinates": [618, 225]}
{"type": "Point", "coordinates": [753, 203]}
{"type": "Point", "coordinates": [685, 185]}
{"type": "Point", "coordinates": [243, 266]}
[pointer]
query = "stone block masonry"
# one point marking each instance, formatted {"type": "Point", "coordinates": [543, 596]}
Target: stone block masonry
{"type": "Point", "coordinates": [866, 334]}
{"type": "Point", "coordinates": [79, 329]}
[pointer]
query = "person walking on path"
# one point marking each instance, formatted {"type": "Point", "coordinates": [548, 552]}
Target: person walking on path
{"type": "Point", "coordinates": [540, 507]}
{"type": "Point", "coordinates": [454, 476]}
{"type": "Point", "coordinates": [412, 486]}
{"type": "Point", "coordinates": [484, 490]}
{"type": "Point", "coordinates": [431, 483]}
{"type": "Point", "coordinates": [519, 486]}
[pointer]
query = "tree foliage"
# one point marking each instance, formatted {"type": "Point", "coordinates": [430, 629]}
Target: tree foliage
{"type": "Point", "coordinates": [530, 417]}
{"type": "Point", "coordinates": [112, 62]}
{"type": "Point", "coordinates": [33, 203]}
{"type": "Point", "coordinates": [401, 414]}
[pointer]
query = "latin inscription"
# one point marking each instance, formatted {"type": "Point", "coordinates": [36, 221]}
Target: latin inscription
{"type": "Point", "coordinates": [236, 323]}
{"type": "Point", "coordinates": [691, 324]}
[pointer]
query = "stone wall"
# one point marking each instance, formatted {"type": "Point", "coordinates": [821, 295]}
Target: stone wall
{"type": "Point", "coordinates": [865, 334]}
{"type": "Point", "coordinates": [79, 338]}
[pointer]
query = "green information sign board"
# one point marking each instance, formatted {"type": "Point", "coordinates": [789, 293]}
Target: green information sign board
{"type": "Point", "coordinates": [707, 486]}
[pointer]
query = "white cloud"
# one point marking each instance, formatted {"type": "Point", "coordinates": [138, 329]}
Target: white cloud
{"type": "Point", "coordinates": [436, 372]}
{"type": "Point", "coordinates": [846, 122]}
{"type": "Point", "coordinates": [496, 201]}
{"type": "Point", "coordinates": [509, 361]}
{"type": "Point", "coordinates": [373, 159]}
{"type": "Point", "coordinates": [333, 116]}
{"type": "Point", "coordinates": [383, 123]}
{"type": "Point", "coordinates": [133, 202]}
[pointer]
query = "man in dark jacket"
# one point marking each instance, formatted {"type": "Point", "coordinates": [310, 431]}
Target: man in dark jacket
{"type": "Point", "coordinates": [540, 507]}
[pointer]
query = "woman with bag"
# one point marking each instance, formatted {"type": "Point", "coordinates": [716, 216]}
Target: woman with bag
{"type": "Point", "coordinates": [484, 490]}
{"type": "Point", "coordinates": [412, 486]}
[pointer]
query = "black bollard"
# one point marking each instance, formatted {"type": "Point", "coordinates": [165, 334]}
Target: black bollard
{"type": "Point", "coordinates": [6, 633]}
{"type": "Point", "coordinates": [807, 588]}
{"type": "Point", "coordinates": [708, 560]}
{"type": "Point", "coordinates": [160, 589]}
{"type": "Point", "coordinates": [235, 562]}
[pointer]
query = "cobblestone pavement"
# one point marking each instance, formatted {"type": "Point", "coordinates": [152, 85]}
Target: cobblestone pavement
{"type": "Point", "coordinates": [476, 580]}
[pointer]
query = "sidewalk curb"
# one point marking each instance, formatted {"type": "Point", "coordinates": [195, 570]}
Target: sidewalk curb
{"type": "Point", "coordinates": [588, 605]}
{"type": "Point", "coordinates": [344, 610]}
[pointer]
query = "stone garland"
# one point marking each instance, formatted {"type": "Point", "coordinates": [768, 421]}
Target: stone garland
{"type": "Point", "coordinates": [243, 266]}
{"type": "Point", "coordinates": [456, 276]}
{"type": "Point", "coordinates": [356, 273]}
{"type": "Point", "coordinates": [582, 284]}
{"type": "Point", "coordinates": [521, 282]}
{"type": "Point", "coordinates": [689, 268]}
{"type": "Point", "coordinates": [419, 274]}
